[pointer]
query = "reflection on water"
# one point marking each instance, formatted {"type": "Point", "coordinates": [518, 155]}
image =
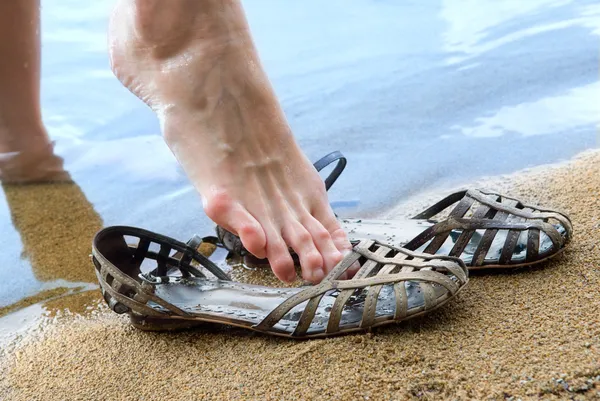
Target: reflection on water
{"type": "Point", "coordinates": [566, 112]}
{"type": "Point", "coordinates": [476, 27]}
{"type": "Point", "coordinates": [54, 222]}
{"type": "Point", "coordinates": [416, 89]}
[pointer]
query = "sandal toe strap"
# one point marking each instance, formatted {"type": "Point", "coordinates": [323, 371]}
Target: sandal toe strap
{"type": "Point", "coordinates": [380, 265]}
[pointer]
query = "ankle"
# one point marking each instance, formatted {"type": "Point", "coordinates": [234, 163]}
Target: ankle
{"type": "Point", "coordinates": [23, 138]}
{"type": "Point", "coordinates": [157, 26]}
{"type": "Point", "coordinates": [166, 29]}
{"type": "Point", "coordinates": [35, 163]}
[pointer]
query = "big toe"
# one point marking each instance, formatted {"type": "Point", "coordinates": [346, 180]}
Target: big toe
{"type": "Point", "coordinates": [253, 238]}
{"type": "Point", "coordinates": [235, 218]}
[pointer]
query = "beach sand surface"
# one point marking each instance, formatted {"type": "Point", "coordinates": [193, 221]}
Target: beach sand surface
{"type": "Point", "coordinates": [531, 333]}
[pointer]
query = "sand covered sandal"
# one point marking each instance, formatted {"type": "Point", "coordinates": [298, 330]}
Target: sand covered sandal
{"type": "Point", "coordinates": [485, 229]}
{"type": "Point", "coordinates": [165, 284]}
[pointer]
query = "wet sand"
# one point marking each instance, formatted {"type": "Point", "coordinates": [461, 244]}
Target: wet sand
{"type": "Point", "coordinates": [530, 333]}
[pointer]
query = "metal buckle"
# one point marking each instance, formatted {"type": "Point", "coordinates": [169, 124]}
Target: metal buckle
{"type": "Point", "coordinates": [150, 279]}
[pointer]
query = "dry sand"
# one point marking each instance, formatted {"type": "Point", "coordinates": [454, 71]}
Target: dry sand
{"type": "Point", "coordinates": [529, 334]}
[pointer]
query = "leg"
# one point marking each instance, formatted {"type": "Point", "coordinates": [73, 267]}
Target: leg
{"type": "Point", "coordinates": [194, 63]}
{"type": "Point", "coordinates": [26, 153]}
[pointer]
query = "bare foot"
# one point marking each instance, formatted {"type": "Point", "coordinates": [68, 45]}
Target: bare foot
{"type": "Point", "coordinates": [34, 163]}
{"type": "Point", "coordinates": [194, 63]}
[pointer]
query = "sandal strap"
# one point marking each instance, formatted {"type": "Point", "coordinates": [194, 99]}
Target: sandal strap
{"type": "Point", "coordinates": [186, 257]}
{"type": "Point", "coordinates": [230, 241]}
{"type": "Point", "coordinates": [123, 291]}
{"type": "Point", "coordinates": [491, 216]}
{"type": "Point", "coordinates": [188, 251]}
{"type": "Point", "coordinates": [483, 198]}
{"type": "Point", "coordinates": [396, 270]}
{"type": "Point", "coordinates": [337, 170]}
{"type": "Point", "coordinates": [131, 292]}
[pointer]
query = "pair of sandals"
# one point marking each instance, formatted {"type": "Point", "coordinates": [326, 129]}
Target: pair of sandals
{"type": "Point", "coordinates": [164, 284]}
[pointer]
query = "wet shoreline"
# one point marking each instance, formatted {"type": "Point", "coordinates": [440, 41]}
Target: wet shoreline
{"type": "Point", "coordinates": [525, 332]}
{"type": "Point", "coordinates": [420, 97]}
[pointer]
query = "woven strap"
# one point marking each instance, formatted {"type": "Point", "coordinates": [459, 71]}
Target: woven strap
{"type": "Point", "coordinates": [424, 270]}
{"type": "Point", "coordinates": [118, 270]}
{"type": "Point", "coordinates": [492, 214]}
{"type": "Point", "coordinates": [118, 267]}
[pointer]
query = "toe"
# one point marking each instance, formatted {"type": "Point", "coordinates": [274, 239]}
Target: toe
{"type": "Point", "coordinates": [219, 207]}
{"type": "Point", "coordinates": [329, 221]}
{"type": "Point", "coordinates": [279, 258]}
{"type": "Point", "coordinates": [253, 238]}
{"type": "Point", "coordinates": [235, 218]}
{"type": "Point", "coordinates": [340, 239]}
{"type": "Point", "coordinates": [311, 262]}
{"type": "Point", "coordinates": [323, 242]}
{"type": "Point", "coordinates": [352, 270]}
{"type": "Point", "coordinates": [325, 217]}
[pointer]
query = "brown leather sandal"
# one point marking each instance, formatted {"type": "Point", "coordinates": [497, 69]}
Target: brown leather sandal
{"type": "Point", "coordinates": [164, 284]}
{"type": "Point", "coordinates": [484, 229]}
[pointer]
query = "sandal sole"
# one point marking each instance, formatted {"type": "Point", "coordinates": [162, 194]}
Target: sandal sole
{"type": "Point", "coordinates": [157, 324]}
{"type": "Point", "coordinates": [517, 266]}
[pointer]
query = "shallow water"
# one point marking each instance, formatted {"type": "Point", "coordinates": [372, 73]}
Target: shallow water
{"type": "Point", "coordinates": [416, 94]}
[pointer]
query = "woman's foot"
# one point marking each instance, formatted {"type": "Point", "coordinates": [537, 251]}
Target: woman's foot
{"type": "Point", "coordinates": [194, 63]}
{"type": "Point", "coordinates": [35, 162]}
